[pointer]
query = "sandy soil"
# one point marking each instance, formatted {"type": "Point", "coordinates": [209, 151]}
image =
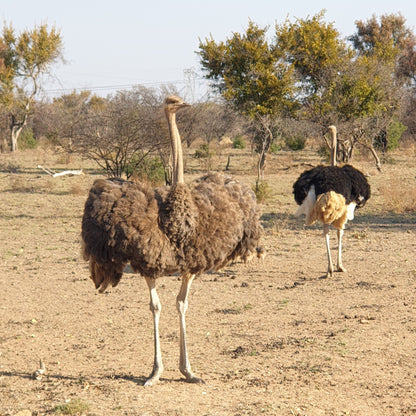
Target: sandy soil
{"type": "Point", "coordinates": [271, 337]}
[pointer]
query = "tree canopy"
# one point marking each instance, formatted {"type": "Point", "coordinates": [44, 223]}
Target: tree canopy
{"type": "Point", "coordinates": [248, 73]}
{"type": "Point", "coordinates": [311, 73]}
{"type": "Point", "coordinates": [24, 59]}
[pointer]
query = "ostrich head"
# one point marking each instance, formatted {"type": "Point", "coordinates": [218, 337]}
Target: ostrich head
{"type": "Point", "coordinates": [174, 103]}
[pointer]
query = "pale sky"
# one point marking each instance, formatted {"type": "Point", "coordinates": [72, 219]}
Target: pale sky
{"type": "Point", "coordinates": [113, 45]}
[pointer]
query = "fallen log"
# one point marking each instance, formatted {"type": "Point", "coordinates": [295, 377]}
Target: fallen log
{"type": "Point", "coordinates": [65, 172]}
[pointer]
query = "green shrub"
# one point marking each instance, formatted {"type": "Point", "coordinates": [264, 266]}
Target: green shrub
{"type": "Point", "coordinates": [275, 148]}
{"type": "Point", "coordinates": [239, 143]}
{"type": "Point", "coordinates": [203, 152]}
{"type": "Point", "coordinates": [73, 407]}
{"type": "Point", "coordinates": [149, 169]}
{"type": "Point", "coordinates": [324, 152]}
{"type": "Point", "coordinates": [26, 140]}
{"type": "Point", "coordinates": [394, 134]}
{"type": "Point", "coordinates": [262, 191]}
{"type": "Point", "coordinates": [295, 142]}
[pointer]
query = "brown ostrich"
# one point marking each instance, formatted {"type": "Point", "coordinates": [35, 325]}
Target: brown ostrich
{"type": "Point", "coordinates": [185, 229]}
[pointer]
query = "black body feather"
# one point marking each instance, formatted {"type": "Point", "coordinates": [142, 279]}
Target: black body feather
{"type": "Point", "coordinates": [347, 181]}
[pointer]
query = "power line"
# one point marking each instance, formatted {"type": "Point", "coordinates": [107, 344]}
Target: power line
{"type": "Point", "coordinates": [108, 87]}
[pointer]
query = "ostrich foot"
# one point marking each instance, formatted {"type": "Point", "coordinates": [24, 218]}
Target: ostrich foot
{"type": "Point", "coordinates": [153, 378]}
{"type": "Point", "coordinates": [151, 381]}
{"type": "Point", "coordinates": [341, 268]}
{"type": "Point", "coordinates": [195, 380]}
{"type": "Point", "coordinates": [329, 272]}
{"type": "Point", "coordinates": [191, 378]}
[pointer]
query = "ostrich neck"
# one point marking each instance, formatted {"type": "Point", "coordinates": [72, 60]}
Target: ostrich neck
{"type": "Point", "coordinates": [334, 148]}
{"type": "Point", "coordinates": [176, 145]}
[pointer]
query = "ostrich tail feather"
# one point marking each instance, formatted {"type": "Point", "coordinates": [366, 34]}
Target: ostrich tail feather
{"type": "Point", "coordinates": [105, 274]}
{"type": "Point", "coordinates": [330, 208]}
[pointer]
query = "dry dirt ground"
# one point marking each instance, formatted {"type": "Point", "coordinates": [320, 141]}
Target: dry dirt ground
{"type": "Point", "coordinates": [271, 338]}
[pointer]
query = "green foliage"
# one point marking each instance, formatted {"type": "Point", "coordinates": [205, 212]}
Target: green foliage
{"type": "Point", "coordinates": [73, 407]}
{"type": "Point", "coordinates": [26, 140]}
{"type": "Point", "coordinates": [203, 152]}
{"type": "Point", "coordinates": [313, 47]}
{"type": "Point", "coordinates": [324, 153]}
{"type": "Point", "coordinates": [389, 139]}
{"type": "Point", "coordinates": [25, 57]}
{"type": "Point", "coordinates": [364, 90]}
{"type": "Point", "coordinates": [383, 37]}
{"type": "Point", "coordinates": [275, 148]}
{"type": "Point", "coordinates": [248, 73]}
{"type": "Point", "coordinates": [394, 134]}
{"type": "Point", "coordinates": [388, 160]}
{"type": "Point", "coordinates": [148, 169]}
{"type": "Point", "coordinates": [239, 143]}
{"type": "Point", "coordinates": [262, 190]}
{"type": "Point", "coordinates": [295, 142]}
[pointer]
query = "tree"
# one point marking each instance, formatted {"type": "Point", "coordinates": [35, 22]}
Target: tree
{"type": "Point", "coordinates": [389, 38]}
{"type": "Point", "coordinates": [406, 68]}
{"type": "Point", "coordinates": [212, 121]}
{"type": "Point", "coordinates": [335, 87]}
{"type": "Point", "coordinates": [70, 113]}
{"type": "Point", "coordinates": [121, 133]}
{"type": "Point", "coordinates": [387, 47]}
{"type": "Point", "coordinates": [24, 60]}
{"type": "Point", "coordinates": [385, 38]}
{"type": "Point", "coordinates": [249, 74]}
{"type": "Point", "coordinates": [368, 100]}
{"type": "Point", "coordinates": [342, 86]}
{"type": "Point", "coordinates": [317, 54]}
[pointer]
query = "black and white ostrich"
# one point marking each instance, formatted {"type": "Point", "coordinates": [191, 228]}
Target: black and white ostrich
{"type": "Point", "coordinates": [185, 229]}
{"type": "Point", "coordinates": [330, 195]}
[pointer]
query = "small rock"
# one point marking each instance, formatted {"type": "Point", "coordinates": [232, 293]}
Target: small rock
{"type": "Point", "coordinates": [38, 374]}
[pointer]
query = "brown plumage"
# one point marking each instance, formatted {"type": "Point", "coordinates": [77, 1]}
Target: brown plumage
{"type": "Point", "coordinates": [185, 229]}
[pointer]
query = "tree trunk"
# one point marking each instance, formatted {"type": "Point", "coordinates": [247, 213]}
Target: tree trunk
{"type": "Point", "coordinates": [228, 163]}
{"type": "Point", "coordinates": [16, 128]}
{"type": "Point", "coordinates": [376, 158]}
{"type": "Point", "coordinates": [267, 141]}
{"type": "Point", "coordinates": [4, 145]}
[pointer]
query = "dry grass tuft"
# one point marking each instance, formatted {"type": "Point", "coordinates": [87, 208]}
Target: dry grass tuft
{"type": "Point", "coordinates": [77, 189]}
{"type": "Point", "coordinates": [49, 185]}
{"type": "Point", "coordinates": [9, 167]}
{"type": "Point", "coordinates": [280, 225]}
{"type": "Point", "coordinates": [73, 407]}
{"type": "Point", "coordinates": [360, 234]}
{"type": "Point", "coordinates": [399, 196]}
{"type": "Point", "coordinates": [20, 184]}
{"type": "Point", "coordinates": [65, 158]}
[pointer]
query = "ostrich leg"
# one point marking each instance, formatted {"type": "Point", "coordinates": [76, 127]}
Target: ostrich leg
{"type": "Point", "coordinates": [340, 267]}
{"type": "Point", "coordinates": [328, 251]}
{"type": "Point", "coordinates": [182, 306]}
{"type": "Point", "coordinates": [155, 307]}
